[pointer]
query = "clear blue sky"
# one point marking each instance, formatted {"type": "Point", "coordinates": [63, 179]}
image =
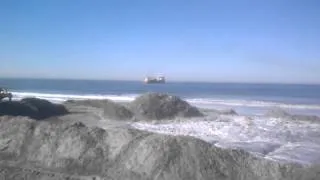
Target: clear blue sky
{"type": "Point", "coordinates": [204, 40]}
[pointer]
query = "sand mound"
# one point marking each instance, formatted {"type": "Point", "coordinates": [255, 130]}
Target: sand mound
{"type": "Point", "coordinates": [162, 106]}
{"type": "Point", "coordinates": [44, 150]}
{"type": "Point", "coordinates": [32, 107]}
{"type": "Point", "coordinates": [109, 108]}
{"type": "Point", "coordinates": [280, 113]}
{"type": "Point", "coordinates": [45, 108]}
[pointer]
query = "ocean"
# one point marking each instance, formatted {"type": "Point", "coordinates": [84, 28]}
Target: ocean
{"type": "Point", "coordinates": [244, 98]}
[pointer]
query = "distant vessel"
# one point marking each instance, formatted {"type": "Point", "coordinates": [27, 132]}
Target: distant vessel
{"type": "Point", "coordinates": [154, 80]}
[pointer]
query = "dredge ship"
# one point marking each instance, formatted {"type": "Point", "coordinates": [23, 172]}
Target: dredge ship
{"type": "Point", "coordinates": [154, 80]}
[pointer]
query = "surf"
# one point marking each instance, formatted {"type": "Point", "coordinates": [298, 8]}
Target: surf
{"type": "Point", "coordinates": [210, 103]}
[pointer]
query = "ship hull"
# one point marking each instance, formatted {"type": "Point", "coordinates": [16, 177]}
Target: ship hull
{"type": "Point", "coordinates": [154, 82]}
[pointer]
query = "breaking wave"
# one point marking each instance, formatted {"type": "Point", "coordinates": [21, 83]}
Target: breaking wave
{"type": "Point", "coordinates": [201, 102]}
{"type": "Point", "coordinates": [65, 97]}
{"type": "Point", "coordinates": [251, 103]}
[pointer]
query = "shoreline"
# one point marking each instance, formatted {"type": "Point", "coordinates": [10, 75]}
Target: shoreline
{"type": "Point", "coordinates": [243, 106]}
{"type": "Point", "coordinates": [100, 138]}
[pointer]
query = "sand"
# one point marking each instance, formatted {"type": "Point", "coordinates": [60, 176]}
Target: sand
{"type": "Point", "coordinates": [84, 144]}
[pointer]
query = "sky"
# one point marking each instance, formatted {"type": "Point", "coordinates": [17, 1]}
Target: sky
{"type": "Point", "coordinates": [185, 40]}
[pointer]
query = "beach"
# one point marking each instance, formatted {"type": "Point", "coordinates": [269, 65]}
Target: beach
{"type": "Point", "coordinates": [140, 134]}
{"type": "Point", "coordinates": [159, 90]}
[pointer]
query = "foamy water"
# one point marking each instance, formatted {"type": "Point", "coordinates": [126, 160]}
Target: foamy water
{"type": "Point", "coordinates": [64, 97]}
{"type": "Point", "coordinates": [271, 138]}
{"type": "Point", "coordinates": [210, 103]}
{"type": "Point", "coordinates": [251, 103]}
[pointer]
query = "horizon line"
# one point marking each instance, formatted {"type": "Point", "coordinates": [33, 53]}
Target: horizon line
{"type": "Point", "coordinates": [170, 81]}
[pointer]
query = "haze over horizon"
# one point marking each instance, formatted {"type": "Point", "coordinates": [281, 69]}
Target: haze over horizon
{"type": "Point", "coordinates": [276, 41]}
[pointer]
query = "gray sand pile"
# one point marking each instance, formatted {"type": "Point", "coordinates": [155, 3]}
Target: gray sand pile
{"type": "Point", "coordinates": [62, 148]}
{"type": "Point", "coordinates": [53, 150]}
{"type": "Point", "coordinates": [152, 106]}
{"type": "Point", "coordinates": [109, 108]}
{"type": "Point", "coordinates": [32, 107]}
{"type": "Point", "coordinates": [157, 106]}
{"type": "Point", "coordinates": [280, 113]}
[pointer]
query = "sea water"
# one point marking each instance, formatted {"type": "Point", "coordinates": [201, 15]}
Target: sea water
{"type": "Point", "coordinates": [244, 98]}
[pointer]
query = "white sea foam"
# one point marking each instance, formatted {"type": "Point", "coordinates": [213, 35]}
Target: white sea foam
{"type": "Point", "coordinates": [268, 137]}
{"type": "Point", "coordinates": [65, 97]}
{"type": "Point", "coordinates": [250, 103]}
{"type": "Point", "coordinates": [204, 102]}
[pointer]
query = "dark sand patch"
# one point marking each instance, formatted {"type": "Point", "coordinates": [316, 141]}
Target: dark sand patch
{"type": "Point", "coordinates": [32, 107]}
{"type": "Point", "coordinates": [157, 106]}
